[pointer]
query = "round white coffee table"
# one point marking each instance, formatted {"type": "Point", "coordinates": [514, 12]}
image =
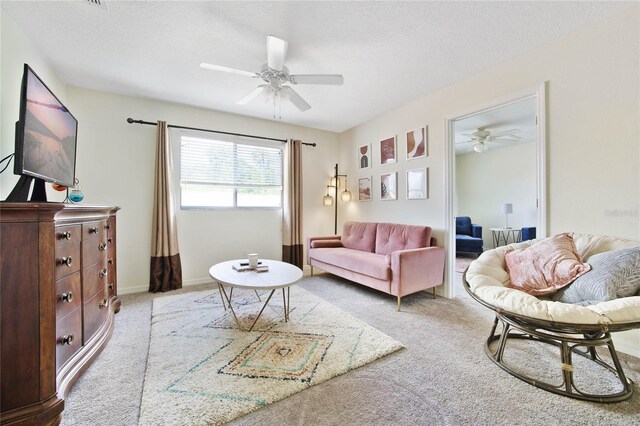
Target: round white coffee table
{"type": "Point", "coordinates": [280, 276]}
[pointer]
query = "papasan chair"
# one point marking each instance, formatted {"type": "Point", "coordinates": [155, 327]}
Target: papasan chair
{"type": "Point", "coordinates": [573, 328]}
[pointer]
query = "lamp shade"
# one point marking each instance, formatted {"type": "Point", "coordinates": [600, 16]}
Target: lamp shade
{"type": "Point", "coordinates": [345, 195]}
{"type": "Point", "coordinates": [327, 200]}
{"type": "Point", "coordinates": [507, 208]}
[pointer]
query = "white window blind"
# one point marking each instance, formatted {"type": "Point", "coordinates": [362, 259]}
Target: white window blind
{"type": "Point", "coordinates": [219, 173]}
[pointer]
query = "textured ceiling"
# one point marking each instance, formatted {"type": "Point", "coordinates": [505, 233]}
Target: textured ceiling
{"type": "Point", "coordinates": [388, 52]}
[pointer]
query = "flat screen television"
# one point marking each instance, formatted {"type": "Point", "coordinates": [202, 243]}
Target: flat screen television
{"type": "Point", "coordinates": [46, 138]}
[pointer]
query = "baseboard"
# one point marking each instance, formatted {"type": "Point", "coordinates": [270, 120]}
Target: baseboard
{"type": "Point", "coordinates": [197, 281]}
{"type": "Point", "coordinates": [628, 342]}
{"type": "Point", "coordinates": [145, 289]}
{"type": "Point", "coordinates": [133, 290]}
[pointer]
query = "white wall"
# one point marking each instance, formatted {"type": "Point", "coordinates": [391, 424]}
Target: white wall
{"type": "Point", "coordinates": [485, 181]}
{"type": "Point", "coordinates": [116, 166]}
{"type": "Point", "coordinates": [15, 50]}
{"type": "Point", "coordinates": [593, 133]}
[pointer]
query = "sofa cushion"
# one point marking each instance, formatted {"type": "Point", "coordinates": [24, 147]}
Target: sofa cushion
{"type": "Point", "coordinates": [371, 264]}
{"type": "Point", "coordinates": [463, 225]}
{"type": "Point", "coordinates": [392, 237]}
{"type": "Point", "coordinates": [359, 236]}
{"type": "Point", "coordinates": [468, 241]}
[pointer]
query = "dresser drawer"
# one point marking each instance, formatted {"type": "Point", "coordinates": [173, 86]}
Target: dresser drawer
{"type": "Point", "coordinates": [68, 295]}
{"type": "Point", "coordinates": [111, 280]}
{"type": "Point", "coordinates": [68, 234]}
{"type": "Point", "coordinates": [67, 259]}
{"type": "Point", "coordinates": [94, 250]}
{"type": "Point", "coordinates": [95, 229]}
{"type": "Point", "coordinates": [68, 337]}
{"type": "Point", "coordinates": [94, 279]}
{"type": "Point", "coordinates": [95, 314]}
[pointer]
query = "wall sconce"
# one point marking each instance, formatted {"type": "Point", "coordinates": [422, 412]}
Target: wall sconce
{"type": "Point", "coordinates": [328, 199]}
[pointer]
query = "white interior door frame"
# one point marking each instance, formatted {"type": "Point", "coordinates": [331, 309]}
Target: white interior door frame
{"type": "Point", "coordinates": [539, 93]}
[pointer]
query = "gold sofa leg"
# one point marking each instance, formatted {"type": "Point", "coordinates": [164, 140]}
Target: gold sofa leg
{"type": "Point", "coordinates": [434, 292]}
{"type": "Point", "coordinates": [399, 298]}
{"type": "Point", "coordinates": [311, 270]}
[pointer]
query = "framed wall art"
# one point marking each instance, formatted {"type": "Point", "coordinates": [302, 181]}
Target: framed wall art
{"type": "Point", "coordinates": [417, 181]}
{"type": "Point", "coordinates": [364, 156]}
{"type": "Point", "coordinates": [364, 188]}
{"type": "Point", "coordinates": [417, 143]}
{"type": "Point", "coordinates": [388, 150]}
{"type": "Point", "coordinates": [389, 186]}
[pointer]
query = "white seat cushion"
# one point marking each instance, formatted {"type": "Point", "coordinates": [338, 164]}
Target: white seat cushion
{"type": "Point", "coordinates": [488, 278]}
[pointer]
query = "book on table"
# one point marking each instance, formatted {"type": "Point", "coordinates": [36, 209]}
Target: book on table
{"type": "Point", "coordinates": [240, 267]}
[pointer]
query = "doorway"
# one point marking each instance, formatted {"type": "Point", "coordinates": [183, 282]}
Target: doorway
{"type": "Point", "coordinates": [481, 131]}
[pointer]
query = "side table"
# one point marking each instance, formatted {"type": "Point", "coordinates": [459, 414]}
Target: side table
{"type": "Point", "coordinates": [501, 236]}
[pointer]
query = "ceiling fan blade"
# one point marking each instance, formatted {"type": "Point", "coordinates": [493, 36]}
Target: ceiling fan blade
{"type": "Point", "coordinates": [512, 138]}
{"type": "Point", "coordinates": [334, 79]}
{"type": "Point", "coordinates": [229, 70]}
{"type": "Point", "coordinates": [252, 94]}
{"type": "Point", "coordinates": [276, 52]}
{"type": "Point", "coordinates": [506, 132]}
{"type": "Point", "coordinates": [295, 99]}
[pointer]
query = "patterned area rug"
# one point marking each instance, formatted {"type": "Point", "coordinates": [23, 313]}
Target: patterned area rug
{"type": "Point", "coordinates": [202, 370]}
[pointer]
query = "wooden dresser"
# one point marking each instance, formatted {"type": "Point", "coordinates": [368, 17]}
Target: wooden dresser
{"type": "Point", "coordinates": [58, 296]}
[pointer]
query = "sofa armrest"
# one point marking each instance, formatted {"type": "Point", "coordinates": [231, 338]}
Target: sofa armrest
{"type": "Point", "coordinates": [322, 240]}
{"type": "Point", "coordinates": [476, 231]}
{"type": "Point", "coordinates": [416, 269]}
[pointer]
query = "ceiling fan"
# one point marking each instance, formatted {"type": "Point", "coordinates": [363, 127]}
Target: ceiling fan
{"type": "Point", "coordinates": [482, 135]}
{"type": "Point", "coordinates": [275, 76]}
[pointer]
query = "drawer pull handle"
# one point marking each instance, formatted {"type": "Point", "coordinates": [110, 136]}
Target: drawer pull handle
{"type": "Point", "coordinates": [107, 226]}
{"type": "Point", "coordinates": [111, 286]}
{"type": "Point", "coordinates": [110, 241]}
{"type": "Point", "coordinates": [103, 304]}
{"type": "Point", "coordinates": [66, 261]}
{"type": "Point", "coordinates": [65, 235]}
{"type": "Point", "coordinates": [103, 273]}
{"type": "Point", "coordinates": [93, 230]}
{"type": "Point", "coordinates": [102, 246]}
{"type": "Point", "coordinates": [110, 261]}
{"type": "Point", "coordinates": [67, 297]}
{"type": "Point", "coordinates": [67, 340]}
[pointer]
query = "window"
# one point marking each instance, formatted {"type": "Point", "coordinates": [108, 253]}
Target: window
{"type": "Point", "coordinates": [216, 173]}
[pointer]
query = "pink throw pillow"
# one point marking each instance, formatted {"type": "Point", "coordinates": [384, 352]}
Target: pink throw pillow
{"type": "Point", "coordinates": [546, 266]}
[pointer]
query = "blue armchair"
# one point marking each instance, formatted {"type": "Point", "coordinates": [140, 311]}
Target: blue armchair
{"type": "Point", "coordinates": [468, 236]}
{"type": "Point", "coordinates": [528, 233]}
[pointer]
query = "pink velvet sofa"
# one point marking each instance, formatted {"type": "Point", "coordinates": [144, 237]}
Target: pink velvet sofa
{"type": "Point", "coordinates": [395, 259]}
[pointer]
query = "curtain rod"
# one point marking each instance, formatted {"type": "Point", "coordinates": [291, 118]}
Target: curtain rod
{"type": "Point", "coordinates": [173, 126]}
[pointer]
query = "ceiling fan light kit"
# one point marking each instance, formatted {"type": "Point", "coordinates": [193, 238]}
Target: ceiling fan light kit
{"type": "Point", "coordinates": [482, 135]}
{"type": "Point", "coordinates": [276, 75]}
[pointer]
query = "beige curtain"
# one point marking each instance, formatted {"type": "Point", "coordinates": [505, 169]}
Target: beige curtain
{"type": "Point", "coordinates": [166, 269]}
{"type": "Point", "coordinates": [292, 243]}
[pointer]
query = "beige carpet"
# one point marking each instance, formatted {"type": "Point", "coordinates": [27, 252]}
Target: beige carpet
{"type": "Point", "coordinates": [203, 370]}
{"type": "Point", "coordinates": [442, 377]}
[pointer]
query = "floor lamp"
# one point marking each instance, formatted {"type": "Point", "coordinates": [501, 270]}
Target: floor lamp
{"type": "Point", "coordinates": [328, 199]}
